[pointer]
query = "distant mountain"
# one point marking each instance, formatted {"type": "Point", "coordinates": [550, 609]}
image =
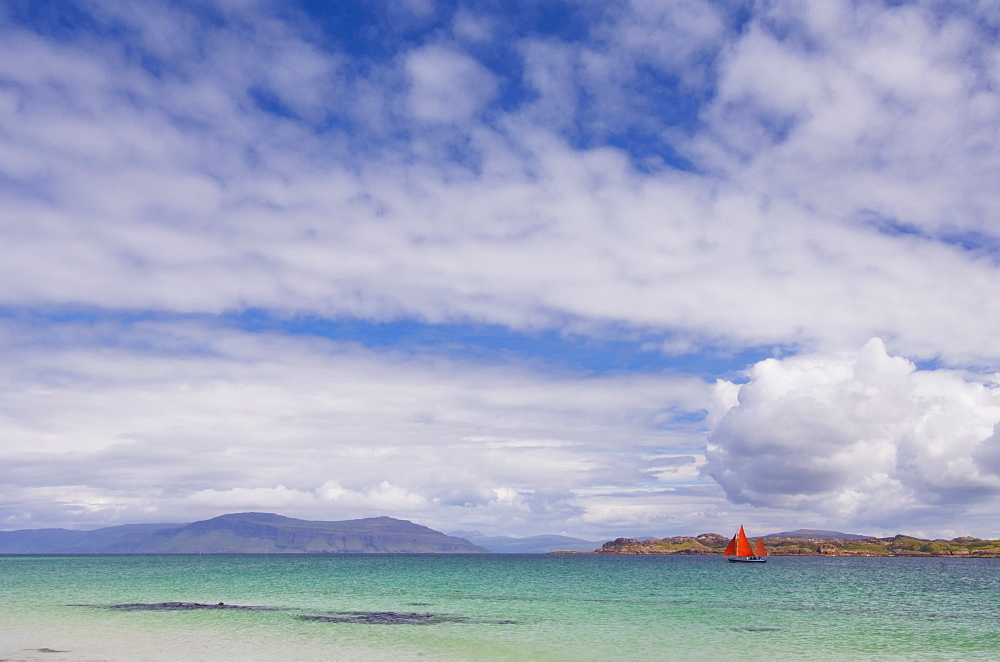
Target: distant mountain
{"type": "Point", "coordinates": [529, 545]}
{"type": "Point", "coordinates": [817, 534]}
{"type": "Point", "coordinates": [242, 533]}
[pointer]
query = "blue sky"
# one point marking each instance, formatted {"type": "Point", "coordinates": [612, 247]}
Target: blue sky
{"type": "Point", "coordinates": [599, 269]}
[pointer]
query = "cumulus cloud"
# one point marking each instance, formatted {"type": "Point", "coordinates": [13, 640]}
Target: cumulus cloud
{"type": "Point", "coordinates": [864, 434]}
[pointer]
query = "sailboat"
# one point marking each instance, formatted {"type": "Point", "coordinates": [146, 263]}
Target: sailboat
{"type": "Point", "coordinates": [739, 550]}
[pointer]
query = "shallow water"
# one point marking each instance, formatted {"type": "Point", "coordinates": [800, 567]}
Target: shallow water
{"type": "Point", "coordinates": [497, 607]}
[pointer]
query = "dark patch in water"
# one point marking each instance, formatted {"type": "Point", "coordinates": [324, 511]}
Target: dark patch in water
{"type": "Point", "coordinates": [361, 617]}
{"type": "Point", "coordinates": [186, 606]}
{"type": "Point", "coordinates": [394, 618]}
{"type": "Point", "coordinates": [46, 650]}
{"type": "Point", "coordinates": [764, 629]}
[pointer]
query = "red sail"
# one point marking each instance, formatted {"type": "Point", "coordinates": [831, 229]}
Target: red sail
{"type": "Point", "coordinates": [743, 547]}
{"type": "Point", "coordinates": [760, 549]}
{"type": "Point", "coordinates": [739, 545]}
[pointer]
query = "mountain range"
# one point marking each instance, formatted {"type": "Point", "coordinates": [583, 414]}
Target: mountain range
{"type": "Point", "coordinates": [268, 533]}
{"type": "Point", "coordinates": [242, 533]}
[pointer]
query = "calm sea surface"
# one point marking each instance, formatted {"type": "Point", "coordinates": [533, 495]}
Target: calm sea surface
{"type": "Point", "coordinates": [498, 607]}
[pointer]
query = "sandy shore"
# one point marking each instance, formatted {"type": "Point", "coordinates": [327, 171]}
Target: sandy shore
{"type": "Point", "coordinates": [73, 643]}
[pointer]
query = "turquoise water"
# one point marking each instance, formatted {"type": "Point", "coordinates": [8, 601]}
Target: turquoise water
{"type": "Point", "coordinates": [500, 607]}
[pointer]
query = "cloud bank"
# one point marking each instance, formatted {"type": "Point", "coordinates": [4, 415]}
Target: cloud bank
{"type": "Point", "coordinates": [698, 185]}
{"type": "Point", "coordinates": [230, 420]}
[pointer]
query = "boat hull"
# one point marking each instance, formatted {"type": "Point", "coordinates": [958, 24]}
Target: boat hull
{"type": "Point", "coordinates": [747, 559]}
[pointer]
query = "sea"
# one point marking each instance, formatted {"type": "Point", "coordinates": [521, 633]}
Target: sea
{"type": "Point", "coordinates": [496, 607]}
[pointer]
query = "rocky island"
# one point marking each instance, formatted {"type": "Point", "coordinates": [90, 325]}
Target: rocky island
{"type": "Point", "coordinates": [792, 544]}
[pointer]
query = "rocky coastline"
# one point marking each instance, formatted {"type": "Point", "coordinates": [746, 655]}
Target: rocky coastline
{"type": "Point", "coordinates": [900, 545]}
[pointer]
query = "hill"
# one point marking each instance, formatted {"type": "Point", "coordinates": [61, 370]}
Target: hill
{"type": "Point", "coordinates": [242, 533]}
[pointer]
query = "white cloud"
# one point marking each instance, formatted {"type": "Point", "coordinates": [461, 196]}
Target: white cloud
{"type": "Point", "coordinates": [671, 36]}
{"type": "Point", "coordinates": [472, 27]}
{"type": "Point", "coordinates": [176, 421]}
{"type": "Point", "coordinates": [550, 69]}
{"type": "Point", "coordinates": [865, 435]}
{"type": "Point", "coordinates": [447, 86]}
{"type": "Point", "coordinates": [154, 202]}
{"type": "Point", "coordinates": [330, 496]}
{"type": "Point", "coordinates": [245, 499]}
{"type": "Point", "coordinates": [863, 108]}
{"type": "Point", "coordinates": [839, 154]}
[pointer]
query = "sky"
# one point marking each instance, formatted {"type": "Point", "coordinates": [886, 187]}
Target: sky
{"type": "Point", "coordinates": [600, 269]}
